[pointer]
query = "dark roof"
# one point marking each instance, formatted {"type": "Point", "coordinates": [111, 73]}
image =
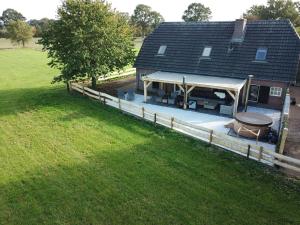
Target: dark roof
{"type": "Point", "coordinates": [185, 43]}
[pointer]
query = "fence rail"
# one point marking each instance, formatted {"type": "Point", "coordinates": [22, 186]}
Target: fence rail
{"type": "Point", "coordinates": [242, 147]}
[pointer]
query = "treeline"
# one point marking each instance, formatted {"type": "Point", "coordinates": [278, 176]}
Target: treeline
{"type": "Point", "coordinates": [144, 20]}
{"type": "Point", "coordinates": [11, 16]}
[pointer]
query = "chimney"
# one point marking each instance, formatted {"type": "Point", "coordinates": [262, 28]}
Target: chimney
{"type": "Point", "coordinates": [239, 30]}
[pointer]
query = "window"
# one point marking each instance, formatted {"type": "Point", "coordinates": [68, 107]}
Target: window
{"type": "Point", "coordinates": [261, 54]}
{"type": "Point", "coordinates": [162, 49]}
{"type": "Point", "coordinates": [276, 91]}
{"type": "Point", "coordinates": [253, 93]}
{"type": "Point", "coordinates": [206, 51]}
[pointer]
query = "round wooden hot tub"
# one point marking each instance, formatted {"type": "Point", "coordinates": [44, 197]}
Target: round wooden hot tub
{"type": "Point", "coordinates": [252, 125]}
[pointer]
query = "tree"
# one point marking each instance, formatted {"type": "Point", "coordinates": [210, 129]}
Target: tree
{"type": "Point", "coordinates": [275, 9]}
{"type": "Point", "coordinates": [145, 20]}
{"type": "Point", "coordinates": [156, 18]}
{"type": "Point", "coordinates": [9, 15]}
{"type": "Point", "coordinates": [196, 12]}
{"type": "Point", "coordinates": [19, 32]}
{"type": "Point", "coordinates": [40, 25]}
{"type": "Point", "coordinates": [87, 40]}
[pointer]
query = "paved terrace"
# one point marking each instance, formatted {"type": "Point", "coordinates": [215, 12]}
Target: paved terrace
{"type": "Point", "coordinates": [214, 122]}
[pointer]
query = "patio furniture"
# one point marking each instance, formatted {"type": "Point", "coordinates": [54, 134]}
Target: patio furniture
{"type": "Point", "coordinates": [121, 94]}
{"type": "Point", "coordinates": [172, 98]}
{"type": "Point", "coordinates": [226, 109]}
{"type": "Point", "coordinates": [161, 93]}
{"type": "Point", "coordinates": [130, 95]}
{"type": "Point", "coordinates": [210, 105]}
{"type": "Point", "coordinates": [192, 104]}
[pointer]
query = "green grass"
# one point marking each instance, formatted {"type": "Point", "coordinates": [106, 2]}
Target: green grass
{"type": "Point", "coordinates": [65, 159]}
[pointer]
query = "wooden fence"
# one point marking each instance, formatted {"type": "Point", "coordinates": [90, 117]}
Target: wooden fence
{"type": "Point", "coordinates": [114, 75]}
{"type": "Point", "coordinates": [251, 151]}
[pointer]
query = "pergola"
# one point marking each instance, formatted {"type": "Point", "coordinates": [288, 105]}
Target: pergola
{"type": "Point", "coordinates": [187, 82]}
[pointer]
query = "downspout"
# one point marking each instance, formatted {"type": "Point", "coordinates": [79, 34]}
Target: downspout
{"type": "Point", "coordinates": [250, 77]}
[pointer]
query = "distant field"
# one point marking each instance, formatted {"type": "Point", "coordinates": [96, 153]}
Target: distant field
{"type": "Point", "coordinates": [6, 44]}
{"type": "Point", "coordinates": [65, 159]}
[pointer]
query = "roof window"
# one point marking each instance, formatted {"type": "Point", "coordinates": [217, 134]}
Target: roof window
{"type": "Point", "coordinates": [261, 54]}
{"type": "Point", "coordinates": [162, 49]}
{"type": "Point", "coordinates": [206, 51]}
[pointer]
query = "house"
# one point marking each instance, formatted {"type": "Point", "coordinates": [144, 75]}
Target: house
{"type": "Point", "coordinates": [221, 64]}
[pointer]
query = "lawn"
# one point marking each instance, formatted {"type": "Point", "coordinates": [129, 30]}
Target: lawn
{"type": "Point", "coordinates": [65, 159]}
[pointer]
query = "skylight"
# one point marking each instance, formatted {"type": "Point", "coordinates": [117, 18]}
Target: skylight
{"type": "Point", "coordinates": [261, 54]}
{"type": "Point", "coordinates": [206, 51]}
{"type": "Point", "coordinates": [162, 49]}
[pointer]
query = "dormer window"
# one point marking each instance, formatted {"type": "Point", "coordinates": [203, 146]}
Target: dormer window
{"type": "Point", "coordinates": [162, 50]}
{"type": "Point", "coordinates": [206, 51]}
{"type": "Point", "coordinates": [261, 54]}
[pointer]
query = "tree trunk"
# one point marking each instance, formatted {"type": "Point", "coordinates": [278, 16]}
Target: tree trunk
{"type": "Point", "coordinates": [94, 83]}
{"type": "Point", "coordinates": [23, 43]}
{"type": "Point", "coordinates": [68, 87]}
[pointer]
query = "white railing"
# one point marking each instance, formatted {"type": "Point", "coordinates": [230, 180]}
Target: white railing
{"type": "Point", "coordinates": [252, 151]}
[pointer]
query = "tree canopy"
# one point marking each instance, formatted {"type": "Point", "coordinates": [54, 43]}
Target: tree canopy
{"type": "Point", "coordinates": [40, 25]}
{"type": "Point", "coordinates": [275, 9]}
{"type": "Point", "coordinates": [196, 12]}
{"type": "Point", "coordinates": [19, 32]}
{"type": "Point", "coordinates": [87, 40]}
{"type": "Point", "coordinates": [9, 15]}
{"type": "Point", "coordinates": [144, 19]}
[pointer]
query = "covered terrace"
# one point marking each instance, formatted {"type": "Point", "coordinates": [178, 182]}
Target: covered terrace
{"type": "Point", "coordinates": [238, 89]}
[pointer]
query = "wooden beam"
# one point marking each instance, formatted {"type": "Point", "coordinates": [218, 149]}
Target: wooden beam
{"type": "Point", "coordinates": [145, 91]}
{"type": "Point", "coordinates": [181, 88]}
{"type": "Point", "coordinates": [236, 103]}
{"type": "Point", "coordinates": [149, 84]}
{"type": "Point", "coordinates": [283, 140]}
{"type": "Point", "coordinates": [248, 90]}
{"type": "Point", "coordinates": [231, 94]}
{"type": "Point", "coordinates": [189, 90]}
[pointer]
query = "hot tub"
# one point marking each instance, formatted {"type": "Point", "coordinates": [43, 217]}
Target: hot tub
{"type": "Point", "coordinates": [252, 125]}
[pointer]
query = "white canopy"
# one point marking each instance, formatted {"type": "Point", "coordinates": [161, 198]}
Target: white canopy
{"type": "Point", "coordinates": [229, 84]}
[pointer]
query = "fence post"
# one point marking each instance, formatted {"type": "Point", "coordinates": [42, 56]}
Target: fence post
{"type": "Point", "coordinates": [119, 103]}
{"type": "Point", "coordinates": [155, 118]}
{"type": "Point", "coordinates": [172, 121]}
{"type": "Point", "coordinates": [248, 152]}
{"type": "Point", "coordinates": [143, 112]}
{"type": "Point", "coordinates": [283, 140]}
{"type": "Point", "coordinates": [100, 97]}
{"type": "Point", "coordinates": [210, 136]}
{"type": "Point", "coordinates": [261, 149]}
{"type": "Point", "coordinates": [83, 93]}
{"type": "Point", "coordinates": [104, 100]}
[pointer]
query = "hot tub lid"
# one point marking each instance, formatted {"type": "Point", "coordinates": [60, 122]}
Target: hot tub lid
{"type": "Point", "coordinates": [254, 119]}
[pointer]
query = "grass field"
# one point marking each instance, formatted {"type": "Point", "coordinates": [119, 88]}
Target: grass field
{"type": "Point", "coordinates": [65, 159]}
{"type": "Point", "coordinates": [32, 44]}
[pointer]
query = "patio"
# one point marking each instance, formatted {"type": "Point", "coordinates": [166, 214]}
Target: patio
{"type": "Point", "coordinates": [215, 122]}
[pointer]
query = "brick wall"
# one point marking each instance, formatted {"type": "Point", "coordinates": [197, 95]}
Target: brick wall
{"type": "Point", "coordinates": [273, 102]}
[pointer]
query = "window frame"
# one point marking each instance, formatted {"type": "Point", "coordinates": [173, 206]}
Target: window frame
{"type": "Point", "coordinates": [275, 91]}
{"type": "Point", "coordinates": [257, 53]}
{"type": "Point", "coordinates": [204, 50]}
{"type": "Point", "coordinates": [162, 50]}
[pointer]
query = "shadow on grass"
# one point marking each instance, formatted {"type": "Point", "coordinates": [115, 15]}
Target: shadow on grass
{"type": "Point", "coordinates": [140, 185]}
{"type": "Point", "coordinates": [166, 179]}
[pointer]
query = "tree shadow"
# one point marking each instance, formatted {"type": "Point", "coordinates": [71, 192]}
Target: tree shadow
{"type": "Point", "coordinates": [139, 185]}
